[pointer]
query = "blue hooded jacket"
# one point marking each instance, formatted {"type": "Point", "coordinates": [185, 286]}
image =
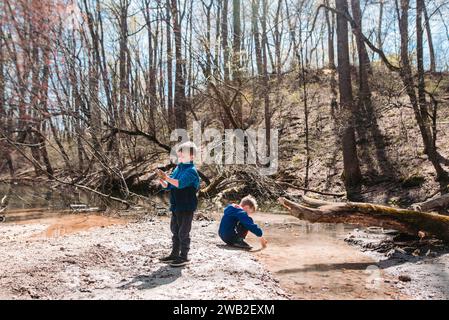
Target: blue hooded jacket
{"type": "Point", "coordinates": [232, 215]}
{"type": "Point", "coordinates": [183, 198]}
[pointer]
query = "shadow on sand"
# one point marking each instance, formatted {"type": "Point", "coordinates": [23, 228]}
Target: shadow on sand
{"type": "Point", "coordinates": [162, 276]}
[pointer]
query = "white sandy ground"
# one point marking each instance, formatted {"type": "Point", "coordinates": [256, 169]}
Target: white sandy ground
{"type": "Point", "coordinates": [121, 262]}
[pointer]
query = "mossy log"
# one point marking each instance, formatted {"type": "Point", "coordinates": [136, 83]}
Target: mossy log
{"type": "Point", "coordinates": [368, 214]}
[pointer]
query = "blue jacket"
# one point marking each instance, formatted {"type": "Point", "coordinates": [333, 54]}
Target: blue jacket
{"type": "Point", "coordinates": [232, 215]}
{"type": "Point", "coordinates": [183, 198]}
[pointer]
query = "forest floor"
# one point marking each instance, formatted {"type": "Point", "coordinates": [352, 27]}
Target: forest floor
{"type": "Point", "coordinates": [99, 257]}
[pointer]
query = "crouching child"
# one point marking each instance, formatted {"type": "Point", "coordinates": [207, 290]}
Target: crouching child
{"type": "Point", "coordinates": [236, 222]}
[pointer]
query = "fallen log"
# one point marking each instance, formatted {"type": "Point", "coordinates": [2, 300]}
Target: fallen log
{"type": "Point", "coordinates": [368, 214]}
{"type": "Point", "coordinates": [437, 203]}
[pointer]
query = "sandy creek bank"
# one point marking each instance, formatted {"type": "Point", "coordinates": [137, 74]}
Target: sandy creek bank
{"type": "Point", "coordinates": [88, 256]}
{"type": "Point", "coordinates": [121, 261]}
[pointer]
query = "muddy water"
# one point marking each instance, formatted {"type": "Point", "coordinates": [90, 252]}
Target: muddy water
{"type": "Point", "coordinates": [68, 224]}
{"type": "Point", "coordinates": [54, 208]}
{"type": "Point", "coordinates": [311, 261]}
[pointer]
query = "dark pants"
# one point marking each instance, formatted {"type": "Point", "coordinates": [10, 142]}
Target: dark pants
{"type": "Point", "coordinates": [240, 234]}
{"type": "Point", "coordinates": [180, 225]}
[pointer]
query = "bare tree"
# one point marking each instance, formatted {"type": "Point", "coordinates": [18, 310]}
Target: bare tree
{"type": "Point", "coordinates": [236, 56]}
{"type": "Point", "coordinates": [419, 102]}
{"type": "Point", "coordinates": [330, 21]}
{"type": "Point", "coordinates": [180, 99]}
{"type": "Point", "coordinates": [168, 31]}
{"type": "Point", "coordinates": [352, 173]}
{"type": "Point", "coordinates": [429, 38]}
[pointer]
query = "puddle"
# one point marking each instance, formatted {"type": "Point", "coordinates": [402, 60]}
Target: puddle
{"type": "Point", "coordinates": [312, 261]}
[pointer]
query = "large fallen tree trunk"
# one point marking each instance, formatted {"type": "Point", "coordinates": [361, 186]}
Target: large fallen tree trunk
{"type": "Point", "coordinates": [367, 214]}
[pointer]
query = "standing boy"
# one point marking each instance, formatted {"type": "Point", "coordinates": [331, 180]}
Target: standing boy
{"type": "Point", "coordinates": [183, 184]}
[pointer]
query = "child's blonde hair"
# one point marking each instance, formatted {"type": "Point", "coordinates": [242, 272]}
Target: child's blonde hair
{"type": "Point", "coordinates": [250, 201]}
{"type": "Point", "coordinates": [188, 147]}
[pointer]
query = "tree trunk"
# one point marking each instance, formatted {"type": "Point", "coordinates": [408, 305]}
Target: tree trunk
{"type": "Point", "coordinates": [180, 100]}
{"type": "Point", "coordinates": [2, 80]}
{"type": "Point", "coordinates": [123, 58]}
{"type": "Point", "coordinates": [277, 37]}
{"type": "Point", "coordinates": [379, 25]}
{"type": "Point", "coordinates": [43, 107]}
{"type": "Point", "coordinates": [352, 173]}
{"type": "Point", "coordinates": [207, 48]}
{"type": "Point", "coordinates": [364, 60]}
{"type": "Point", "coordinates": [217, 43]}
{"type": "Point", "coordinates": [267, 112]}
{"type": "Point", "coordinates": [256, 35]}
{"type": "Point", "coordinates": [429, 39]}
{"type": "Point", "coordinates": [151, 82]}
{"type": "Point", "coordinates": [330, 38]}
{"type": "Point", "coordinates": [171, 112]}
{"type": "Point", "coordinates": [236, 57]}
{"type": "Point", "coordinates": [224, 39]}
{"type": "Point", "coordinates": [368, 214]}
{"type": "Point", "coordinates": [225, 48]}
{"type": "Point", "coordinates": [94, 108]}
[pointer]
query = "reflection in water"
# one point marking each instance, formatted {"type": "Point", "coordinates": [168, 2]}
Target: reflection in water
{"type": "Point", "coordinates": [29, 202]}
{"type": "Point", "coordinates": [39, 196]}
{"type": "Point", "coordinates": [21, 196]}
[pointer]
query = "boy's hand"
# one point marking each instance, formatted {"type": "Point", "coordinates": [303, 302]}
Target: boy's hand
{"type": "Point", "coordinates": [163, 183]}
{"type": "Point", "coordinates": [263, 242]}
{"type": "Point", "coordinates": [161, 174]}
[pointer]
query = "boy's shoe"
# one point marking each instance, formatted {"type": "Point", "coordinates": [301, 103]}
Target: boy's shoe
{"type": "Point", "coordinates": [169, 258]}
{"type": "Point", "coordinates": [179, 262]}
{"type": "Point", "coordinates": [240, 243]}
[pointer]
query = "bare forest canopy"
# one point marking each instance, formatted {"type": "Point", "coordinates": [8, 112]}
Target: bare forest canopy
{"type": "Point", "coordinates": [90, 90]}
